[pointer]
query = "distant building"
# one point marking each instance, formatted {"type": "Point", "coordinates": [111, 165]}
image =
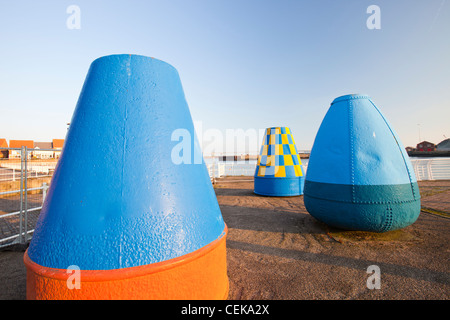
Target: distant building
{"type": "Point", "coordinates": [444, 145]}
{"type": "Point", "coordinates": [39, 150]}
{"type": "Point", "coordinates": [57, 144]}
{"type": "Point", "coordinates": [3, 152]}
{"type": "Point", "coordinates": [425, 146]}
{"type": "Point", "coordinates": [19, 144]}
{"type": "Point", "coordinates": [42, 154]}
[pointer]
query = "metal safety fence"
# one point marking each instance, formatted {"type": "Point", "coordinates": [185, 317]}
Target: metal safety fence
{"type": "Point", "coordinates": [431, 168]}
{"type": "Point", "coordinates": [24, 180]}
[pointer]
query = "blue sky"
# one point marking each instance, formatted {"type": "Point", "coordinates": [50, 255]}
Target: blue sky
{"type": "Point", "coordinates": [244, 64]}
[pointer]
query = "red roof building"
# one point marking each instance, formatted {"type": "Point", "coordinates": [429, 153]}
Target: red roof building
{"type": "Point", "coordinates": [21, 143]}
{"type": "Point", "coordinates": [58, 143]}
{"type": "Point", "coordinates": [3, 144]}
{"type": "Point", "coordinates": [425, 146]}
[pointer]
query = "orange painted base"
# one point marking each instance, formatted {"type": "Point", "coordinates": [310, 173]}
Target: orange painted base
{"type": "Point", "coordinates": [201, 275]}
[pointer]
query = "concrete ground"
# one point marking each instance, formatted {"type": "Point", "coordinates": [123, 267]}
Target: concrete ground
{"type": "Point", "coordinates": [277, 251]}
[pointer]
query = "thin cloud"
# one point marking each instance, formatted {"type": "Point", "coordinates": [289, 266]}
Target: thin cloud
{"type": "Point", "coordinates": [437, 15]}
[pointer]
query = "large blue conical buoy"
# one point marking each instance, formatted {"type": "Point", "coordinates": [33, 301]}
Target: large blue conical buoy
{"type": "Point", "coordinates": [127, 207]}
{"type": "Point", "coordinates": [359, 175]}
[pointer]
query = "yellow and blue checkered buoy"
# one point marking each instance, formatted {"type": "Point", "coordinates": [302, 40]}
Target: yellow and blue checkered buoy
{"type": "Point", "coordinates": [279, 171]}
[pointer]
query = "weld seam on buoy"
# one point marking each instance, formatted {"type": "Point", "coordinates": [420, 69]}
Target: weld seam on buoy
{"type": "Point", "coordinates": [362, 202]}
{"type": "Point", "coordinates": [352, 154]}
{"type": "Point", "coordinates": [389, 220]}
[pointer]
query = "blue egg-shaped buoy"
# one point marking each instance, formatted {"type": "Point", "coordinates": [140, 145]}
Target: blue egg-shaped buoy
{"type": "Point", "coordinates": [359, 175]}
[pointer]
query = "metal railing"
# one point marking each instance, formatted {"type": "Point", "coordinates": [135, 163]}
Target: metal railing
{"type": "Point", "coordinates": [23, 233]}
{"type": "Point", "coordinates": [219, 169]}
{"type": "Point", "coordinates": [424, 168]}
{"type": "Point", "coordinates": [431, 168]}
{"type": "Point", "coordinates": [24, 182]}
